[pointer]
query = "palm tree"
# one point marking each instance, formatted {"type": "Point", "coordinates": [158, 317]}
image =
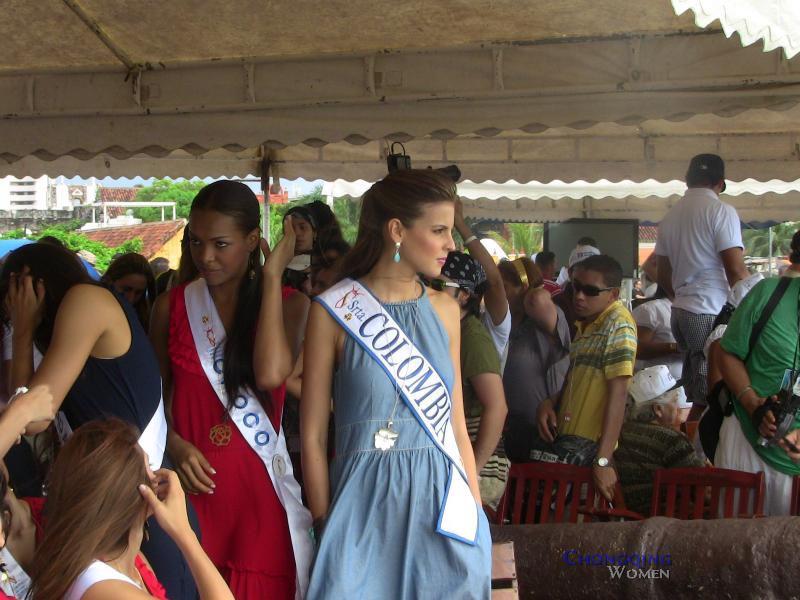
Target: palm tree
{"type": "Point", "coordinates": [756, 241]}
{"type": "Point", "coordinates": [526, 238]}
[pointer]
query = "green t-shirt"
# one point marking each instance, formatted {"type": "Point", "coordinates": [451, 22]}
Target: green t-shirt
{"type": "Point", "coordinates": [772, 355]}
{"type": "Point", "coordinates": [478, 355]}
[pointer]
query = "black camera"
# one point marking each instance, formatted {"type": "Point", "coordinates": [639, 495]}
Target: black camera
{"type": "Point", "coordinates": [783, 409]}
{"type": "Point", "coordinates": [400, 161]}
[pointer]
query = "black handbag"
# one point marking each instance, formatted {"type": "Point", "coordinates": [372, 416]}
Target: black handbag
{"type": "Point", "coordinates": [720, 398]}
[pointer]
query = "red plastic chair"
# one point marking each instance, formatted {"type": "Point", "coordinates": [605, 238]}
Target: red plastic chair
{"type": "Point", "coordinates": [707, 493]}
{"type": "Point", "coordinates": [556, 493]}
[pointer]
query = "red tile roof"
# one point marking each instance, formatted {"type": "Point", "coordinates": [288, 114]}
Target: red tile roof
{"type": "Point", "coordinates": [648, 234]}
{"type": "Point", "coordinates": [153, 235]}
{"type": "Point", "coordinates": [115, 194]}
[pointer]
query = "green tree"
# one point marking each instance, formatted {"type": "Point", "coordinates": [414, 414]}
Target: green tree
{"type": "Point", "coordinates": [14, 234]}
{"type": "Point", "coordinates": [526, 238]}
{"type": "Point", "coordinates": [346, 211]}
{"type": "Point", "coordinates": [166, 190]}
{"type": "Point", "coordinates": [76, 241]}
{"type": "Point", "coordinates": [756, 241]}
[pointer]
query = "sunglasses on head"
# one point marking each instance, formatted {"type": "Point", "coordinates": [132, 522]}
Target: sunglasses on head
{"type": "Point", "coordinates": [440, 285]}
{"type": "Point", "coordinates": [588, 290]}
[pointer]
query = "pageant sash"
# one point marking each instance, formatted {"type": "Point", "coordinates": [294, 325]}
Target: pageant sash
{"type": "Point", "coordinates": [424, 392]}
{"type": "Point", "coordinates": [253, 423]}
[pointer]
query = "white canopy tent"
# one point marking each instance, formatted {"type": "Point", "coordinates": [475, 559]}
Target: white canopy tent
{"type": "Point", "coordinates": [535, 90]}
{"type": "Point", "coordinates": [758, 203]}
{"type": "Point", "coordinates": [508, 89]}
{"type": "Point", "coordinates": [775, 22]}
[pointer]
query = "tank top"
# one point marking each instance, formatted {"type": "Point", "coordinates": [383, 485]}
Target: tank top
{"type": "Point", "coordinates": [127, 387]}
{"type": "Point", "coordinates": [95, 573]}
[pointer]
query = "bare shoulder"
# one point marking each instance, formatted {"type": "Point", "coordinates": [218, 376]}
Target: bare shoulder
{"type": "Point", "coordinates": [297, 302]}
{"type": "Point", "coordinates": [87, 297]}
{"type": "Point", "coordinates": [159, 318]}
{"type": "Point", "coordinates": [161, 305]}
{"type": "Point", "coordinates": [446, 307]}
{"type": "Point", "coordinates": [321, 323]}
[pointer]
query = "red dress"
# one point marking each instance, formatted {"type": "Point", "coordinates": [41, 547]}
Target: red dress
{"type": "Point", "coordinates": [150, 580]}
{"type": "Point", "coordinates": [244, 529]}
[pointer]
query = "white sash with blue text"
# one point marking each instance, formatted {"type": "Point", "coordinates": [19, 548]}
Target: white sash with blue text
{"type": "Point", "coordinates": [253, 423]}
{"type": "Point", "coordinates": [424, 392]}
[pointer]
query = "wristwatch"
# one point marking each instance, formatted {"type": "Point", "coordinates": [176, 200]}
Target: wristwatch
{"type": "Point", "coordinates": [602, 461]}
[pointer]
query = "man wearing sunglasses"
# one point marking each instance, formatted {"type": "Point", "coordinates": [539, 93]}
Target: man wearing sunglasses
{"type": "Point", "coordinates": [602, 355]}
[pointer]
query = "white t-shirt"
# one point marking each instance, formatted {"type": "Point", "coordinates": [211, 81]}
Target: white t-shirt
{"type": "Point", "coordinates": [655, 316]}
{"type": "Point", "coordinates": [691, 235]}
{"type": "Point", "coordinates": [8, 332]}
{"type": "Point", "coordinates": [500, 334]}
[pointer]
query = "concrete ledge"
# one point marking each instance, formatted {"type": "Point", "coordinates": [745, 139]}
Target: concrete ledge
{"type": "Point", "coordinates": [663, 558]}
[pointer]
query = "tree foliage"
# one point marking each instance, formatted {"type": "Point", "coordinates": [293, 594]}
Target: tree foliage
{"type": "Point", "coordinates": [522, 238]}
{"type": "Point", "coordinates": [166, 190]}
{"type": "Point", "coordinates": [345, 210]}
{"type": "Point", "coordinates": [76, 241]}
{"type": "Point", "coordinates": [756, 241]}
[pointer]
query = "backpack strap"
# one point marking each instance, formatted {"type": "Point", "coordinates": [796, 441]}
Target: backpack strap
{"type": "Point", "coordinates": [769, 308]}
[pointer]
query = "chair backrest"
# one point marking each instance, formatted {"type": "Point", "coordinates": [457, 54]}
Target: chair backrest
{"type": "Point", "coordinates": [545, 493]}
{"type": "Point", "coordinates": [707, 493]}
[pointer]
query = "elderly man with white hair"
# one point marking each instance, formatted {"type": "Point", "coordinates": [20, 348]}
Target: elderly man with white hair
{"type": "Point", "coordinates": [651, 438]}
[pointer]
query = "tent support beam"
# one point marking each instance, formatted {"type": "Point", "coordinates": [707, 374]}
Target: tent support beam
{"type": "Point", "coordinates": [96, 28]}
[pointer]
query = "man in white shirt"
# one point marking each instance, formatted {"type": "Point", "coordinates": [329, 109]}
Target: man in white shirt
{"type": "Point", "coordinates": [700, 256]}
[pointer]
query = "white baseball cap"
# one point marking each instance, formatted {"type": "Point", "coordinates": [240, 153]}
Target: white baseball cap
{"type": "Point", "coordinates": [580, 253]}
{"type": "Point", "coordinates": [656, 383]}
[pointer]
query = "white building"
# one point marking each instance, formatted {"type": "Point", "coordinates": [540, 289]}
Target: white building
{"type": "Point", "coordinates": [44, 193]}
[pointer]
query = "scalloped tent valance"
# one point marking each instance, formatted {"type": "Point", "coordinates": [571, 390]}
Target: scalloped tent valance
{"type": "Point", "coordinates": [584, 89]}
{"type": "Point", "coordinates": [757, 203]}
{"type": "Point", "coordinates": [776, 23]}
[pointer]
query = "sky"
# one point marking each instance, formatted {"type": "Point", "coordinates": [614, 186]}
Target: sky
{"type": "Point", "coordinates": [296, 187]}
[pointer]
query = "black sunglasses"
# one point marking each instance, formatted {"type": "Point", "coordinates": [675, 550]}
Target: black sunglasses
{"type": "Point", "coordinates": [589, 290]}
{"type": "Point", "coordinates": [440, 285]}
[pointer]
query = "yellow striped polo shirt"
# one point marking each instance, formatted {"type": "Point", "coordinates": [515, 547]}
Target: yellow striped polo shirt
{"type": "Point", "coordinates": [602, 350]}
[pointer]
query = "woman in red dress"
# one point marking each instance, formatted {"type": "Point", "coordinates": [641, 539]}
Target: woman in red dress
{"type": "Point", "coordinates": [244, 525]}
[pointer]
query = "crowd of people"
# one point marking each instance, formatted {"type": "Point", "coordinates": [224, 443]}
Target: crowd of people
{"type": "Point", "coordinates": [313, 420]}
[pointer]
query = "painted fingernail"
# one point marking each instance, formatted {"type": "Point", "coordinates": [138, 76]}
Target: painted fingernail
{"type": "Point", "coordinates": [211, 491]}
{"type": "Point", "coordinates": [213, 471]}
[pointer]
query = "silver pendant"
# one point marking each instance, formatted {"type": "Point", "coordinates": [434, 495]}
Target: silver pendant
{"type": "Point", "coordinates": [386, 437]}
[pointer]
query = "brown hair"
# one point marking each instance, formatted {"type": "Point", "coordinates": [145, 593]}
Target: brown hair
{"type": "Point", "coordinates": [134, 264]}
{"type": "Point", "coordinates": [509, 272]}
{"type": "Point", "coordinates": [93, 502]}
{"type": "Point", "coordinates": [400, 195]}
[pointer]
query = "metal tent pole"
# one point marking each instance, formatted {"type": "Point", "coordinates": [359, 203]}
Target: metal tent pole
{"type": "Point", "coordinates": [770, 251]}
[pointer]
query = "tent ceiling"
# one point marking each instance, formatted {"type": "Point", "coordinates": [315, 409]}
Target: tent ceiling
{"type": "Point", "coordinates": [508, 90]}
{"type": "Point", "coordinates": [756, 202]}
{"type": "Point", "coordinates": [53, 34]}
{"type": "Point", "coordinates": [758, 144]}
